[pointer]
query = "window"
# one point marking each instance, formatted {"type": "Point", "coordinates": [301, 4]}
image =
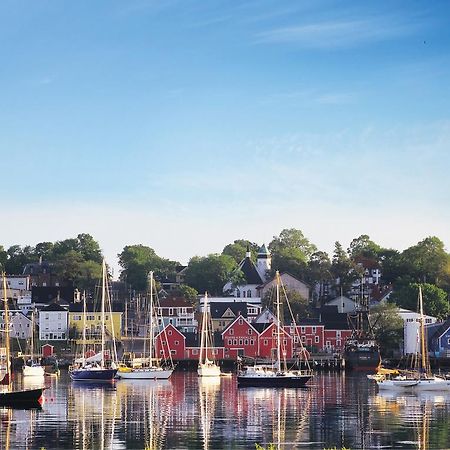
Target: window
{"type": "Point", "coordinates": [170, 311]}
{"type": "Point", "coordinates": [169, 332]}
{"type": "Point", "coordinates": [249, 331]}
{"type": "Point", "coordinates": [266, 342]}
{"type": "Point", "coordinates": [302, 329]}
{"type": "Point", "coordinates": [234, 341]}
{"type": "Point", "coordinates": [230, 341]}
{"type": "Point", "coordinates": [303, 338]}
{"type": "Point", "coordinates": [240, 321]}
{"type": "Point", "coordinates": [252, 342]}
{"type": "Point", "coordinates": [231, 331]}
{"type": "Point", "coordinates": [316, 339]}
{"type": "Point", "coordinates": [338, 342]}
{"type": "Point", "coordinates": [177, 342]}
{"type": "Point", "coordinates": [249, 293]}
{"type": "Point", "coordinates": [240, 341]}
{"type": "Point", "coordinates": [238, 293]}
{"type": "Point", "coordinates": [313, 330]}
{"type": "Point", "coordinates": [194, 351]}
{"type": "Point", "coordinates": [328, 344]}
{"type": "Point", "coordinates": [173, 352]}
{"type": "Point", "coordinates": [427, 320]}
{"type": "Point", "coordinates": [338, 334]}
{"type": "Point", "coordinates": [246, 342]}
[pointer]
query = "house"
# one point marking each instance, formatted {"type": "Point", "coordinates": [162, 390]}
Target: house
{"type": "Point", "coordinates": [267, 343]}
{"type": "Point", "coordinates": [20, 325]}
{"type": "Point", "coordinates": [240, 338]}
{"type": "Point", "coordinates": [170, 342]}
{"type": "Point", "coordinates": [53, 323]}
{"type": "Point", "coordinates": [311, 333]}
{"type": "Point", "coordinates": [178, 312]}
{"type": "Point", "coordinates": [254, 274]}
{"type": "Point", "coordinates": [192, 349]}
{"type": "Point", "coordinates": [336, 328]}
{"type": "Point", "coordinates": [290, 283]}
{"type": "Point", "coordinates": [222, 314]}
{"type": "Point", "coordinates": [266, 316]}
{"type": "Point", "coordinates": [371, 277]}
{"type": "Point", "coordinates": [93, 322]}
{"type": "Point", "coordinates": [41, 274]}
{"type": "Point", "coordinates": [439, 339]}
{"type": "Point", "coordinates": [42, 296]}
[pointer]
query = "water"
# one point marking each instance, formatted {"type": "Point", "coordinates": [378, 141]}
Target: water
{"type": "Point", "coordinates": [336, 410]}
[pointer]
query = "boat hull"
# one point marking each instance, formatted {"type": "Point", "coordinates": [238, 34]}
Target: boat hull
{"type": "Point", "coordinates": [362, 360]}
{"type": "Point", "coordinates": [431, 384]}
{"type": "Point", "coordinates": [93, 374]}
{"type": "Point", "coordinates": [24, 399]}
{"type": "Point", "coordinates": [145, 374]}
{"type": "Point", "coordinates": [208, 370]}
{"type": "Point", "coordinates": [33, 371]}
{"type": "Point", "coordinates": [273, 381]}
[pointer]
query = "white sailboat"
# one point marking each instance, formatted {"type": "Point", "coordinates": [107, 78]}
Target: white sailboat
{"type": "Point", "coordinates": [32, 368]}
{"type": "Point", "coordinates": [207, 367]}
{"type": "Point", "coordinates": [152, 369]}
{"type": "Point", "coordinates": [419, 378]}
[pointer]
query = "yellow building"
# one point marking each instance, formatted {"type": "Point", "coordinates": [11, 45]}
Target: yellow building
{"type": "Point", "coordinates": [93, 322]}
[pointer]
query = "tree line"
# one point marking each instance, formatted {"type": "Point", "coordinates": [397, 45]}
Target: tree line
{"type": "Point", "coordinates": [78, 261]}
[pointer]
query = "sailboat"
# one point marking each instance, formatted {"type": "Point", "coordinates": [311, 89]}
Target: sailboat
{"type": "Point", "coordinates": [152, 368]}
{"type": "Point", "coordinates": [23, 398]}
{"type": "Point", "coordinates": [95, 368]}
{"type": "Point", "coordinates": [420, 377]}
{"type": "Point", "coordinates": [277, 374]}
{"type": "Point", "coordinates": [207, 367]}
{"type": "Point", "coordinates": [32, 368]}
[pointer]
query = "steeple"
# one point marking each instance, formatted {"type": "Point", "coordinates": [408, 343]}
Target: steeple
{"type": "Point", "coordinates": [263, 262]}
{"type": "Point", "coordinates": [248, 253]}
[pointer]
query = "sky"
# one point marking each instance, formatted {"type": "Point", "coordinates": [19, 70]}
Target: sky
{"type": "Point", "coordinates": [186, 124]}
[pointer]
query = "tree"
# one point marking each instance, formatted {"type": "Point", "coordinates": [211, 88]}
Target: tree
{"type": "Point", "coordinates": [343, 268]}
{"type": "Point", "coordinates": [189, 293]}
{"type": "Point", "coordinates": [138, 260]}
{"type": "Point", "coordinates": [44, 250]}
{"type": "Point", "coordinates": [291, 251]}
{"type": "Point", "coordinates": [319, 274]}
{"type": "Point", "coordinates": [300, 307]}
{"type": "Point", "coordinates": [17, 258]}
{"type": "Point", "coordinates": [363, 246]}
{"type": "Point", "coordinates": [3, 258]}
{"type": "Point", "coordinates": [427, 261]}
{"type": "Point", "coordinates": [238, 249]}
{"type": "Point", "coordinates": [435, 299]}
{"type": "Point", "coordinates": [387, 327]}
{"type": "Point", "coordinates": [210, 273]}
{"type": "Point", "coordinates": [89, 248]}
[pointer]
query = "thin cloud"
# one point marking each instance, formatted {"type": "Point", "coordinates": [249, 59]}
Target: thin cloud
{"type": "Point", "coordinates": [338, 34]}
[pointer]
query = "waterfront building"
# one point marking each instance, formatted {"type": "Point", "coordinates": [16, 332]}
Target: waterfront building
{"type": "Point", "coordinates": [178, 312]}
{"type": "Point", "coordinates": [439, 339]}
{"type": "Point", "coordinates": [411, 326]}
{"type": "Point", "coordinates": [53, 323]}
{"type": "Point", "coordinates": [240, 339]}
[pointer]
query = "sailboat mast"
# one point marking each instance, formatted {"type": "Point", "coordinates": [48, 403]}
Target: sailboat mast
{"type": "Point", "coordinates": [84, 327]}
{"type": "Point", "coordinates": [202, 336]}
{"type": "Point", "coordinates": [151, 344]}
{"type": "Point", "coordinates": [423, 349]}
{"type": "Point", "coordinates": [32, 335]}
{"type": "Point", "coordinates": [103, 312]}
{"type": "Point", "coordinates": [278, 324]}
{"type": "Point", "coordinates": [7, 347]}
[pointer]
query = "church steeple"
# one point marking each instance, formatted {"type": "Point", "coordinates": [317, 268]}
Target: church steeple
{"type": "Point", "coordinates": [263, 262]}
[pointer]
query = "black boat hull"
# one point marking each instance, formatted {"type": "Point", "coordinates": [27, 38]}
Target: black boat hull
{"type": "Point", "coordinates": [27, 398]}
{"type": "Point", "coordinates": [289, 382]}
{"type": "Point", "coordinates": [364, 361]}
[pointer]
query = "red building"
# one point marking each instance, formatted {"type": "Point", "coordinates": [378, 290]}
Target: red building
{"type": "Point", "coordinates": [240, 338]}
{"type": "Point", "coordinates": [268, 343]}
{"type": "Point", "coordinates": [170, 341]}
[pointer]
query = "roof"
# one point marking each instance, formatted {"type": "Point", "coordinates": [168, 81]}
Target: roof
{"type": "Point", "coordinates": [218, 309]}
{"type": "Point", "coordinates": [37, 268]}
{"type": "Point", "coordinates": [271, 280]}
{"type": "Point", "coordinates": [193, 339]}
{"type": "Point", "coordinates": [54, 307]}
{"type": "Point", "coordinates": [174, 302]}
{"type": "Point", "coordinates": [250, 272]}
{"type": "Point", "coordinates": [436, 330]}
{"type": "Point", "coordinates": [332, 319]}
{"type": "Point", "coordinates": [263, 251]}
{"type": "Point", "coordinates": [47, 294]}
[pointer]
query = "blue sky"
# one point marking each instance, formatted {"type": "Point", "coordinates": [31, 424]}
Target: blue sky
{"type": "Point", "coordinates": [184, 125]}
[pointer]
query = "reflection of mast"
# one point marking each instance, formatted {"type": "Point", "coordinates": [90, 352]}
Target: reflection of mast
{"type": "Point", "coordinates": [208, 388]}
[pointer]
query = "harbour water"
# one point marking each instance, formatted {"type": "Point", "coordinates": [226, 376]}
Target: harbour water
{"type": "Point", "coordinates": [185, 412]}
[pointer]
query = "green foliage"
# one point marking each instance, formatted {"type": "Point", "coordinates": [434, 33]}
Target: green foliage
{"type": "Point", "coordinates": [300, 306]}
{"type": "Point", "coordinates": [363, 246]}
{"type": "Point", "coordinates": [138, 260]}
{"type": "Point", "coordinates": [435, 300]}
{"type": "Point", "coordinates": [291, 251]}
{"type": "Point", "coordinates": [387, 326]}
{"type": "Point", "coordinates": [238, 249]}
{"type": "Point", "coordinates": [189, 293]}
{"type": "Point", "coordinates": [319, 273]}
{"type": "Point", "coordinates": [343, 268]}
{"type": "Point", "coordinates": [210, 273]}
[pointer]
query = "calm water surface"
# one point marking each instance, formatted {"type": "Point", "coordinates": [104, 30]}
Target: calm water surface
{"type": "Point", "coordinates": [188, 413]}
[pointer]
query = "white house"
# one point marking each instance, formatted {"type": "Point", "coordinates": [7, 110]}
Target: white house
{"type": "Point", "coordinates": [411, 329]}
{"type": "Point", "coordinates": [254, 274]}
{"type": "Point", "coordinates": [290, 283]}
{"type": "Point", "coordinates": [19, 282]}
{"type": "Point", "coordinates": [53, 323]}
{"type": "Point", "coordinates": [20, 325]}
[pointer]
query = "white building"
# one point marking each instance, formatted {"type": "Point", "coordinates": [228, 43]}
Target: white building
{"type": "Point", "coordinates": [344, 304]}
{"type": "Point", "coordinates": [411, 329]}
{"type": "Point", "coordinates": [254, 274]}
{"type": "Point", "coordinates": [53, 323]}
{"type": "Point", "coordinates": [20, 325]}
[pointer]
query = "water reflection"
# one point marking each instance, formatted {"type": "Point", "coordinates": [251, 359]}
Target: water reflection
{"type": "Point", "coordinates": [186, 412]}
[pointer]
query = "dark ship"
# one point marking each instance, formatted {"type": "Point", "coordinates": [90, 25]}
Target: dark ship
{"type": "Point", "coordinates": [361, 351]}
